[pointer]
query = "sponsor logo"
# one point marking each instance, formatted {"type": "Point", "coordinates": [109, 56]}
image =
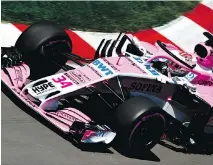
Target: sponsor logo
{"type": "Point", "coordinates": [63, 81]}
{"type": "Point", "coordinates": [100, 133]}
{"type": "Point", "coordinates": [138, 59]}
{"type": "Point", "coordinates": [42, 88]}
{"type": "Point", "coordinates": [205, 83]}
{"type": "Point", "coordinates": [102, 67]}
{"type": "Point", "coordinates": [133, 63]}
{"type": "Point", "coordinates": [188, 57]}
{"type": "Point", "coordinates": [151, 70]}
{"type": "Point", "coordinates": [110, 64]}
{"type": "Point", "coordinates": [64, 115]}
{"type": "Point", "coordinates": [190, 76]}
{"type": "Point", "coordinates": [87, 135]}
{"type": "Point", "coordinates": [146, 87]}
{"type": "Point", "coordinates": [19, 76]}
{"type": "Point", "coordinates": [76, 76]}
{"type": "Point", "coordinates": [95, 71]}
{"type": "Point", "coordinates": [176, 79]}
{"type": "Point", "coordinates": [90, 133]}
{"type": "Point", "coordinates": [71, 78]}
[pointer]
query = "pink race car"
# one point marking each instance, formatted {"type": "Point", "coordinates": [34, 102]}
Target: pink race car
{"type": "Point", "coordinates": [126, 96]}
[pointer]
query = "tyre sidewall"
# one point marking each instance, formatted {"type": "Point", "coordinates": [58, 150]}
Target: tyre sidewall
{"type": "Point", "coordinates": [132, 111]}
{"type": "Point", "coordinates": [30, 43]}
{"type": "Point", "coordinates": [158, 128]}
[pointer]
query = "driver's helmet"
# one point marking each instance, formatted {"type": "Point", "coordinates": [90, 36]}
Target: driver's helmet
{"type": "Point", "coordinates": [204, 52]}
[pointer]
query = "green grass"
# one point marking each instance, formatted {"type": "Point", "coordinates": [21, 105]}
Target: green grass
{"type": "Point", "coordinates": [105, 16]}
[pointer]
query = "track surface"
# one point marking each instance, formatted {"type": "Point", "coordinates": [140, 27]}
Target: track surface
{"type": "Point", "coordinates": [29, 140]}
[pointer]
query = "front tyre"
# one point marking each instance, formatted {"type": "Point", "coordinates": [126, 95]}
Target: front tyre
{"type": "Point", "coordinates": [41, 45]}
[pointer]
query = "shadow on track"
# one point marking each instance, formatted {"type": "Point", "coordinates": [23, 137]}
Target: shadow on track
{"type": "Point", "coordinates": [100, 148]}
{"type": "Point", "coordinates": [95, 148]}
{"type": "Point", "coordinates": [140, 154]}
{"type": "Point", "coordinates": [202, 149]}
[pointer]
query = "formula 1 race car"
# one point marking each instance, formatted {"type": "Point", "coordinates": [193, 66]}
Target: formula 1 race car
{"type": "Point", "coordinates": [142, 104]}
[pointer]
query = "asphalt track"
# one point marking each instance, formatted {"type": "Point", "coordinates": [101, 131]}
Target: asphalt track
{"type": "Point", "coordinates": [29, 140]}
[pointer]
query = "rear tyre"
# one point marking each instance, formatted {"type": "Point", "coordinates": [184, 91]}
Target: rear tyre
{"type": "Point", "coordinates": [36, 44]}
{"type": "Point", "coordinates": [139, 124]}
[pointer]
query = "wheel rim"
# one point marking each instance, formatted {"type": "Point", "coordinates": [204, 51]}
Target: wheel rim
{"type": "Point", "coordinates": [146, 132]}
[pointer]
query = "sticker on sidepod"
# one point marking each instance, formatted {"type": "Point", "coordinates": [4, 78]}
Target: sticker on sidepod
{"type": "Point", "coordinates": [190, 76]}
{"type": "Point", "coordinates": [102, 67]}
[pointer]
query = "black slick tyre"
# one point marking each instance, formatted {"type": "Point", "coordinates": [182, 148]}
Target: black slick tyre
{"type": "Point", "coordinates": [139, 124]}
{"type": "Point", "coordinates": [36, 45]}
